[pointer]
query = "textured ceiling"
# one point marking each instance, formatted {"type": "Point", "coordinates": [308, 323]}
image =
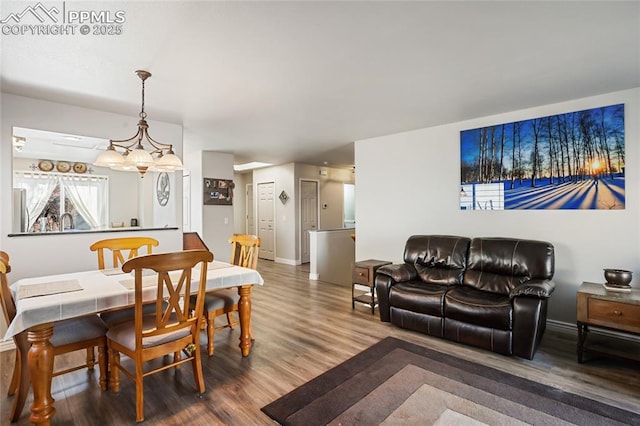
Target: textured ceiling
{"type": "Point", "coordinates": [300, 81]}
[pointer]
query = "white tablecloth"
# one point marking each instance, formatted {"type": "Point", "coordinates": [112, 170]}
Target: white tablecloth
{"type": "Point", "coordinates": [101, 292]}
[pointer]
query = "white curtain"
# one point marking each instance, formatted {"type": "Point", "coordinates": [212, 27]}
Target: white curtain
{"type": "Point", "coordinates": [88, 195]}
{"type": "Point", "coordinates": [39, 187]}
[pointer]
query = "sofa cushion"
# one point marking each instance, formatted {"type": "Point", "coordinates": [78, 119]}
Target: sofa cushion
{"type": "Point", "coordinates": [438, 258]}
{"type": "Point", "coordinates": [438, 275]}
{"type": "Point", "coordinates": [499, 265]}
{"type": "Point", "coordinates": [418, 296]}
{"type": "Point", "coordinates": [478, 307]}
{"type": "Point", "coordinates": [491, 282]}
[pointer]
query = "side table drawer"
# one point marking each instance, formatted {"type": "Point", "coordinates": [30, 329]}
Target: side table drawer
{"type": "Point", "coordinates": [361, 276]}
{"type": "Point", "coordinates": [614, 313]}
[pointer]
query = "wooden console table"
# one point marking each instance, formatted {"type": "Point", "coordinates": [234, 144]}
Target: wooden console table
{"type": "Point", "coordinates": [609, 310]}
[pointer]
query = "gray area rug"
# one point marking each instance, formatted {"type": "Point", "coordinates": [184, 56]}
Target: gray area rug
{"type": "Point", "coordinates": [397, 382]}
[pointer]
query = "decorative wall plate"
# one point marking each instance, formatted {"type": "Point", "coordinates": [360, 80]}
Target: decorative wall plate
{"type": "Point", "coordinates": [45, 165]}
{"type": "Point", "coordinates": [63, 166]}
{"type": "Point", "coordinates": [79, 167]}
{"type": "Point", "coordinates": [163, 190]}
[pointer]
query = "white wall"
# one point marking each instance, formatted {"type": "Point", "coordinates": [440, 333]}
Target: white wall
{"type": "Point", "coordinates": [217, 221]}
{"type": "Point", "coordinates": [193, 165]}
{"type": "Point", "coordinates": [239, 202]}
{"type": "Point", "coordinates": [120, 188]}
{"type": "Point", "coordinates": [408, 183]}
{"type": "Point", "coordinates": [332, 256]}
{"type": "Point", "coordinates": [165, 216]}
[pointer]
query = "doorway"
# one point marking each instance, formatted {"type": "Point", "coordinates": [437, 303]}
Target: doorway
{"type": "Point", "coordinates": [266, 225]}
{"type": "Point", "coordinates": [250, 226]}
{"type": "Point", "coordinates": [308, 216]}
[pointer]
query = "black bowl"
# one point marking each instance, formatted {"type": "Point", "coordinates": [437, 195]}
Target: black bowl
{"type": "Point", "coordinates": [618, 277]}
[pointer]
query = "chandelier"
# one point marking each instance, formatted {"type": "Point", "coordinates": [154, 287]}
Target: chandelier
{"type": "Point", "coordinates": [130, 154]}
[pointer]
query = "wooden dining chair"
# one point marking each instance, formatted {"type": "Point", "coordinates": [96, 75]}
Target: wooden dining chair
{"type": "Point", "coordinates": [244, 252]}
{"type": "Point", "coordinates": [122, 249]}
{"type": "Point", "coordinates": [9, 311]}
{"type": "Point", "coordinates": [4, 258]}
{"type": "Point", "coordinates": [174, 328]}
{"type": "Point", "coordinates": [70, 335]}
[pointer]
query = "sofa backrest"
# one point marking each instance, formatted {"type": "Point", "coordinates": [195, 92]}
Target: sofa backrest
{"type": "Point", "coordinates": [438, 258]}
{"type": "Point", "coordinates": [499, 264]}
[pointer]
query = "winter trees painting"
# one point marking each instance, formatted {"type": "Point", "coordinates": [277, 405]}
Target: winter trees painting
{"type": "Point", "coordinates": [566, 161]}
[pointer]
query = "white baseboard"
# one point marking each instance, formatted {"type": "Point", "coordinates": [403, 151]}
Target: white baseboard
{"type": "Point", "coordinates": [562, 327]}
{"type": "Point", "coordinates": [572, 329]}
{"type": "Point", "coordinates": [314, 277]}
{"type": "Point", "coordinates": [284, 261]}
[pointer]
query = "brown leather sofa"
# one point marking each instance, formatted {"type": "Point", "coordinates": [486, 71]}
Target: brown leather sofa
{"type": "Point", "coordinates": [486, 292]}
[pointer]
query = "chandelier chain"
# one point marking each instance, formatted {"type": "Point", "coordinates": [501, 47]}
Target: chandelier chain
{"type": "Point", "coordinates": [143, 115]}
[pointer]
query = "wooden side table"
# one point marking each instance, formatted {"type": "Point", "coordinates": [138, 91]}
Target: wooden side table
{"type": "Point", "coordinates": [364, 273]}
{"type": "Point", "coordinates": [609, 310]}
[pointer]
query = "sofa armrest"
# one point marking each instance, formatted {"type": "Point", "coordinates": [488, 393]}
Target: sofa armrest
{"type": "Point", "coordinates": [399, 272]}
{"type": "Point", "coordinates": [386, 277]}
{"type": "Point", "coordinates": [541, 289]}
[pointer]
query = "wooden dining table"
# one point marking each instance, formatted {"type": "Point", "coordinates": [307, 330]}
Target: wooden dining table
{"type": "Point", "coordinates": [41, 301]}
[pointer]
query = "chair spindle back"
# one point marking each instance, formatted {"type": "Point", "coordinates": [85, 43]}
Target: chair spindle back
{"type": "Point", "coordinates": [244, 250]}
{"type": "Point", "coordinates": [119, 247]}
{"type": "Point", "coordinates": [174, 274]}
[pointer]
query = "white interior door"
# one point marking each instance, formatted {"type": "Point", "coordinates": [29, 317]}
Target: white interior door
{"type": "Point", "coordinates": [309, 215]}
{"type": "Point", "coordinates": [251, 218]}
{"type": "Point", "coordinates": [266, 225]}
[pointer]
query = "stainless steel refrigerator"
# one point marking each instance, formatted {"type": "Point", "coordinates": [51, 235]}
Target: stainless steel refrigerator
{"type": "Point", "coordinates": [20, 213]}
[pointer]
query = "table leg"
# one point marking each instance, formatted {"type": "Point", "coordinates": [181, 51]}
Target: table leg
{"type": "Point", "coordinates": [40, 360]}
{"type": "Point", "coordinates": [373, 299]}
{"type": "Point", "coordinates": [583, 329]}
{"type": "Point", "coordinates": [244, 312]}
{"type": "Point", "coordinates": [353, 296]}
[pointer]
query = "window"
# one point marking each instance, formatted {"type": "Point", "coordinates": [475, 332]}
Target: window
{"type": "Point", "coordinates": [58, 202]}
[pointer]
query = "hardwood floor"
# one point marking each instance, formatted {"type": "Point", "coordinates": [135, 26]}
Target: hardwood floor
{"type": "Point", "coordinates": [302, 329]}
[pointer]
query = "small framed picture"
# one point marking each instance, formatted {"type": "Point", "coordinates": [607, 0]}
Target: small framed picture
{"type": "Point", "coordinates": [283, 197]}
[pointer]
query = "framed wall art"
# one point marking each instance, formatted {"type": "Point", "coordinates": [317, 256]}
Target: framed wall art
{"type": "Point", "coordinates": [567, 161]}
{"type": "Point", "coordinates": [218, 192]}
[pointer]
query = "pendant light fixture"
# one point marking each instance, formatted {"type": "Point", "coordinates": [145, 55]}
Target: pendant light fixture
{"type": "Point", "coordinates": [131, 155]}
